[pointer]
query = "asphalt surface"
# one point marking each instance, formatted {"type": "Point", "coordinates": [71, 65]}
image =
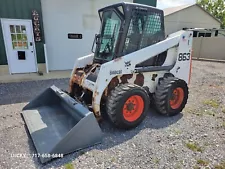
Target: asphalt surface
{"type": "Point", "coordinates": [195, 138]}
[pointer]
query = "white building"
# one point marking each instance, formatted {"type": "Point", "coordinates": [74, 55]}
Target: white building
{"type": "Point", "coordinates": [26, 29]}
{"type": "Point", "coordinates": [23, 33]}
{"type": "Point", "coordinates": [71, 16]}
{"type": "Point", "coordinates": [188, 16]}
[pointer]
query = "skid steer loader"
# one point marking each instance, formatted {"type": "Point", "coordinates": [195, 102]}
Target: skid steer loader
{"type": "Point", "coordinates": [132, 66]}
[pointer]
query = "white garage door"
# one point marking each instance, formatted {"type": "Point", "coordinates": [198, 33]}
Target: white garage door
{"type": "Point", "coordinates": [62, 17]}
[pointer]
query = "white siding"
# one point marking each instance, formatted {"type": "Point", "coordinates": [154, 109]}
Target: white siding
{"type": "Point", "coordinates": [61, 17]}
{"type": "Point", "coordinates": [204, 47]}
{"type": "Point", "coordinates": [192, 17]}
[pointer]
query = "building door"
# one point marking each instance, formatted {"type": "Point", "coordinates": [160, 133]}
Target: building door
{"type": "Point", "coordinates": [20, 46]}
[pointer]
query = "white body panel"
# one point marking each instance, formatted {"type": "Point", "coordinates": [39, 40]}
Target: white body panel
{"type": "Point", "coordinates": [82, 62]}
{"type": "Point", "coordinates": [182, 69]}
{"type": "Point", "coordinates": [176, 44]}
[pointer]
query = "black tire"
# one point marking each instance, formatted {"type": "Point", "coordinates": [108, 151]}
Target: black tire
{"type": "Point", "coordinates": [164, 94]}
{"type": "Point", "coordinates": [116, 102]}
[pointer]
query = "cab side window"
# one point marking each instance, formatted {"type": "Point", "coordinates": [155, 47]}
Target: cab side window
{"type": "Point", "coordinates": [145, 29]}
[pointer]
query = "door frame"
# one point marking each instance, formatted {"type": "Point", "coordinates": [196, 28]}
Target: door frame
{"type": "Point", "coordinates": [6, 45]}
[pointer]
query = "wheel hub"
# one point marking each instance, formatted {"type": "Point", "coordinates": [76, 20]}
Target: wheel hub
{"type": "Point", "coordinates": [133, 108]}
{"type": "Point", "coordinates": [177, 98]}
{"type": "Point", "coordinates": [130, 106]}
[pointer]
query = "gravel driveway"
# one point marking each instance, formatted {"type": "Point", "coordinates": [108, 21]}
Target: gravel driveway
{"type": "Point", "coordinates": [193, 139]}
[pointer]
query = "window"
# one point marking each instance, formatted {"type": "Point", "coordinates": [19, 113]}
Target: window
{"type": "Point", "coordinates": [204, 34]}
{"type": "Point", "coordinates": [195, 34]}
{"type": "Point", "coordinates": [207, 34]}
{"type": "Point", "coordinates": [18, 37]}
{"type": "Point", "coordinates": [153, 24]}
{"type": "Point", "coordinates": [221, 33]}
{"type": "Point", "coordinates": [110, 32]}
{"type": "Point", "coordinates": [145, 29]}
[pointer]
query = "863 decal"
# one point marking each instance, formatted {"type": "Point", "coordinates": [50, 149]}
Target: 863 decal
{"type": "Point", "coordinates": [184, 56]}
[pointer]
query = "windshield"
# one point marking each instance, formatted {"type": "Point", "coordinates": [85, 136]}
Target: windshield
{"type": "Point", "coordinates": [109, 34]}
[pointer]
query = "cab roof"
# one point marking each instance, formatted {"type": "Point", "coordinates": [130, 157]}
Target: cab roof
{"type": "Point", "coordinates": [128, 5]}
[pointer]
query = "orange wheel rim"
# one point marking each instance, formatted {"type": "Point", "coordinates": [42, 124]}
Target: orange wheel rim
{"type": "Point", "coordinates": [177, 98]}
{"type": "Point", "coordinates": [133, 108]}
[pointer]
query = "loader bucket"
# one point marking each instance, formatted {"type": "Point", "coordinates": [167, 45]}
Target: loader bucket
{"type": "Point", "coordinates": [59, 125]}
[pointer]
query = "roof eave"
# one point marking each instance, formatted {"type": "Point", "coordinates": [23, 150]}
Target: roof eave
{"type": "Point", "coordinates": [199, 7]}
{"type": "Point", "coordinates": [180, 10]}
{"type": "Point", "coordinates": [209, 13]}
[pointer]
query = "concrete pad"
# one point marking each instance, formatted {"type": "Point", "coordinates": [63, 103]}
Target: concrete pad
{"type": "Point", "coordinates": [34, 76]}
{"type": "Point", "coordinates": [209, 60]}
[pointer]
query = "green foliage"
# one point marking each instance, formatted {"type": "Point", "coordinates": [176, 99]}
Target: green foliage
{"type": "Point", "coordinates": [223, 124]}
{"type": "Point", "coordinates": [177, 131]}
{"type": "Point", "coordinates": [156, 161]}
{"type": "Point", "coordinates": [212, 103]}
{"type": "Point", "coordinates": [196, 167]}
{"type": "Point", "coordinates": [209, 112]}
{"type": "Point", "coordinates": [202, 162]}
{"type": "Point", "coordinates": [220, 166]}
{"type": "Point", "coordinates": [69, 166]}
{"type": "Point", "coordinates": [215, 7]}
{"type": "Point", "coordinates": [81, 152]}
{"type": "Point", "coordinates": [223, 110]}
{"type": "Point", "coordinates": [194, 147]}
{"type": "Point", "coordinates": [178, 166]}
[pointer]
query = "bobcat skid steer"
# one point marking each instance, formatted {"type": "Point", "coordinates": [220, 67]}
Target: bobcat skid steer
{"type": "Point", "coordinates": [133, 65]}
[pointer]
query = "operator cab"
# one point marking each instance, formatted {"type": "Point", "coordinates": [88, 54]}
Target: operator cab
{"type": "Point", "coordinates": [126, 28]}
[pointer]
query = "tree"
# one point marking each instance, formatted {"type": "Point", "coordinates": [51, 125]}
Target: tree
{"type": "Point", "coordinates": [215, 7]}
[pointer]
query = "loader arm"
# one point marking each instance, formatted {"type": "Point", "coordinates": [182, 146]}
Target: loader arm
{"type": "Point", "coordinates": [82, 62]}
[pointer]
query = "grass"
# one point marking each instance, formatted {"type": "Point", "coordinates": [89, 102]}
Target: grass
{"type": "Point", "coordinates": [202, 162]}
{"type": "Point", "coordinates": [220, 166]}
{"type": "Point", "coordinates": [171, 150]}
{"type": "Point", "coordinates": [197, 113]}
{"type": "Point", "coordinates": [81, 152]}
{"type": "Point", "coordinates": [177, 131]}
{"type": "Point", "coordinates": [208, 144]}
{"type": "Point", "coordinates": [203, 112]}
{"type": "Point", "coordinates": [69, 166]}
{"type": "Point", "coordinates": [223, 124]}
{"type": "Point", "coordinates": [209, 112]}
{"type": "Point", "coordinates": [196, 167]}
{"type": "Point", "coordinates": [177, 166]}
{"type": "Point", "coordinates": [200, 113]}
{"type": "Point", "coordinates": [156, 161]}
{"type": "Point", "coordinates": [194, 147]}
{"type": "Point", "coordinates": [212, 103]}
{"type": "Point", "coordinates": [220, 117]}
{"type": "Point", "coordinates": [223, 110]}
{"type": "Point", "coordinates": [113, 159]}
{"type": "Point", "coordinates": [188, 110]}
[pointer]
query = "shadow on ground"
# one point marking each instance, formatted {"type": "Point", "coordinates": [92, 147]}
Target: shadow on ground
{"type": "Point", "coordinates": [111, 137]}
{"type": "Point", "coordinates": [12, 93]}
